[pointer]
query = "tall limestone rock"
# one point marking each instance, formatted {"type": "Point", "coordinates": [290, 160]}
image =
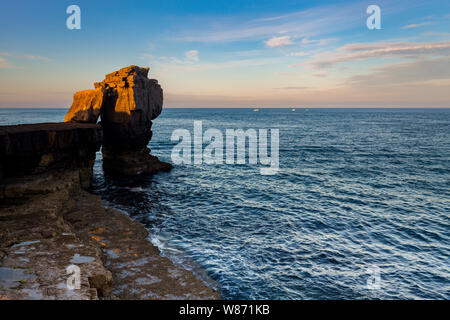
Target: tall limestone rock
{"type": "Point", "coordinates": [127, 102]}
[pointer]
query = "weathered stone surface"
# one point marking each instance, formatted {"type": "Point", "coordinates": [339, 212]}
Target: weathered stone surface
{"type": "Point", "coordinates": [138, 270]}
{"type": "Point", "coordinates": [34, 148]}
{"type": "Point", "coordinates": [39, 244]}
{"type": "Point", "coordinates": [86, 106]}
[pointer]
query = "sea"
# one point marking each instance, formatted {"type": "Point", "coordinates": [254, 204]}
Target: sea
{"type": "Point", "coordinates": [359, 208]}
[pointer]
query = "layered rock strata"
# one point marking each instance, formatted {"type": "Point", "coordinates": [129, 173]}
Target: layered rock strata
{"type": "Point", "coordinates": [34, 148]}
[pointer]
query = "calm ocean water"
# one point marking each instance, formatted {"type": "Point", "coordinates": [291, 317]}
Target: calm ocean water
{"type": "Point", "coordinates": [356, 189]}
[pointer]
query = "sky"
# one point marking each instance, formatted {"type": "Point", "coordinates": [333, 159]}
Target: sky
{"type": "Point", "coordinates": [231, 53]}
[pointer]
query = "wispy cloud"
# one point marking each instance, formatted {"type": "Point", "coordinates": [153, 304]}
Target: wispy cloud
{"type": "Point", "coordinates": [358, 52]}
{"type": "Point", "coordinates": [372, 46]}
{"type": "Point", "coordinates": [293, 65]}
{"type": "Point", "coordinates": [320, 74]}
{"type": "Point", "coordinates": [166, 60]}
{"type": "Point", "coordinates": [298, 54]}
{"type": "Point", "coordinates": [419, 71]}
{"type": "Point", "coordinates": [416, 25]}
{"type": "Point", "coordinates": [294, 88]}
{"type": "Point", "coordinates": [36, 58]}
{"type": "Point", "coordinates": [305, 23]}
{"type": "Point", "coordinates": [279, 41]}
{"type": "Point", "coordinates": [6, 64]}
{"type": "Point", "coordinates": [191, 55]}
{"type": "Point", "coordinates": [173, 64]}
{"type": "Point", "coordinates": [318, 42]}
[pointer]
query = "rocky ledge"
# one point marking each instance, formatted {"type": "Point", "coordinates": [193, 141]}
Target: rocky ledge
{"type": "Point", "coordinates": [33, 148]}
{"type": "Point", "coordinates": [48, 222]}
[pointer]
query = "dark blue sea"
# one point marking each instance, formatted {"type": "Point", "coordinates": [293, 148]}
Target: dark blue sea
{"type": "Point", "coordinates": [362, 197]}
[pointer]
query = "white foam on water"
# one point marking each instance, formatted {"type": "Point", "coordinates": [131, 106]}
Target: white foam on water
{"type": "Point", "coordinates": [181, 259]}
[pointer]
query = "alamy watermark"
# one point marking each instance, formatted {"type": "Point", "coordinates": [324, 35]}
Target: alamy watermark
{"type": "Point", "coordinates": [74, 280]}
{"type": "Point", "coordinates": [74, 20]}
{"type": "Point", "coordinates": [374, 20]}
{"type": "Point", "coordinates": [374, 280]}
{"type": "Point", "coordinates": [235, 140]}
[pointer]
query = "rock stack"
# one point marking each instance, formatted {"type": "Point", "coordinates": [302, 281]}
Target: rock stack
{"type": "Point", "coordinates": [127, 102]}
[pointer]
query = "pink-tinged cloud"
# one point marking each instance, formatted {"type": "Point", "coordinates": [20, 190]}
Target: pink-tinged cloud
{"type": "Point", "coordinates": [279, 41]}
{"type": "Point", "coordinates": [416, 25]}
{"type": "Point", "coordinates": [358, 52]}
{"type": "Point", "coordinates": [36, 58]}
{"type": "Point", "coordinates": [297, 54]}
{"type": "Point", "coordinates": [4, 64]}
{"type": "Point", "coordinates": [318, 42]}
{"type": "Point", "coordinates": [192, 55]}
{"type": "Point", "coordinates": [414, 72]}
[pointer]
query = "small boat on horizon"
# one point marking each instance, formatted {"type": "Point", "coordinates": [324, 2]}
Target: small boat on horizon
{"type": "Point", "coordinates": [293, 109]}
{"type": "Point", "coordinates": [256, 109]}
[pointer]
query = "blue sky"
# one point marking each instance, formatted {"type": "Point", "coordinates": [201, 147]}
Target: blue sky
{"type": "Point", "coordinates": [231, 53]}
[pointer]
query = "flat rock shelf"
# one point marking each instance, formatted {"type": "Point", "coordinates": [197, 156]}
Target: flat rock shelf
{"type": "Point", "coordinates": [49, 222]}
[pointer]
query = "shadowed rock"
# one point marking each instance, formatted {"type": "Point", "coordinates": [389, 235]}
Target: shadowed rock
{"type": "Point", "coordinates": [34, 148]}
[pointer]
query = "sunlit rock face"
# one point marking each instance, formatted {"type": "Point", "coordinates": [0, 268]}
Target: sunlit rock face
{"type": "Point", "coordinates": [86, 106]}
{"type": "Point", "coordinates": [127, 102]}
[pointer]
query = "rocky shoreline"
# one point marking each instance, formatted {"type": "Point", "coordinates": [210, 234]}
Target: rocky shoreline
{"type": "Point", "coordinates": [62, 225]}
{"type": "Point", "coordinates": [50, 225]}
